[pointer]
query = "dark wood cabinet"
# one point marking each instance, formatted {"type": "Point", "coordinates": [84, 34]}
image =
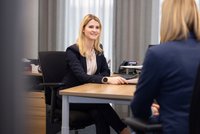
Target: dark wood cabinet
{"type": "Point", "coordinates": [36, 112]}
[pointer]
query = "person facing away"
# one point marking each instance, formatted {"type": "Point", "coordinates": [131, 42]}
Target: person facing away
{"type": "Point", "coordinates": [169, 69]}
{"type": "Point", "coordinates": [194, 117]}
{"type": "Point", "coordinates": [86, 64]}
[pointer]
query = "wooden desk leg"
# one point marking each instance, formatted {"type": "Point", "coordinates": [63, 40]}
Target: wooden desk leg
{"type": "Point", "coordinates": [65, 115]}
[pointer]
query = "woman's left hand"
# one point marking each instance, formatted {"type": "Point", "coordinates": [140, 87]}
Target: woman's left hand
{"type": "Point", "coordinates": [116, 80]}
{"type": "Point", "coordinates": [155, 109]}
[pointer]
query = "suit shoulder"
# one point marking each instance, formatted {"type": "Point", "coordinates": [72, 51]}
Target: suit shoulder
{"type": "Point", "coordinates": [73, 48]}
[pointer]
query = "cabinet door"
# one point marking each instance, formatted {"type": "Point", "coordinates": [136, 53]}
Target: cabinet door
{"type": "Point", "coordinates": [36, 113]}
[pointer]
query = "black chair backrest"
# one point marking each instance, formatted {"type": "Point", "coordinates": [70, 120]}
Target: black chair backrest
{"type": "Point", "coordinates": [53, 66]}
{"type": "Point", "coordinates": [194, 120]}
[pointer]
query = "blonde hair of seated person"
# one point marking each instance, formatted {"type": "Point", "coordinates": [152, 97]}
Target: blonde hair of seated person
{"type": "Point", "coordinates": [81, 36]}
{"type": "Point", "coordinates": [179, 19]}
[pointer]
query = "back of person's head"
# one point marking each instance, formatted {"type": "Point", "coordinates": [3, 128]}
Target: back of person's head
{"type": "Point", "coordinates": [80, 40]}
{"type": "Point", "coordinates": [179, 18]}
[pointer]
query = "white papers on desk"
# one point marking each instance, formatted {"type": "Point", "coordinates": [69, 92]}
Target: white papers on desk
{"type": "Point", "coordinates": [132, 67]}
{"type": "Point", "coordinates": [34, 68]}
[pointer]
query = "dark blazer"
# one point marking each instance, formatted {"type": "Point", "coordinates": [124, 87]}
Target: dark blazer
{"type": "Point", "coordinates": [168, 75]}
{"type": "Point", "coordinates": [76, 69]}
{"type": "Point", "coordinates": [195, 107]}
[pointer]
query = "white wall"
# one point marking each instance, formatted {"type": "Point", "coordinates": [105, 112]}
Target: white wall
{"type": "Point", "coordinates": [31, 24]}
{"type": "Point", "coordinates": [155, 24]}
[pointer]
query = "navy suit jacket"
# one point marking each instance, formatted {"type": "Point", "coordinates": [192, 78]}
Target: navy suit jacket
{"type": "Point", "coordinates": [168, 75]}
{"type": "Point", "coordinates": [76, 69]}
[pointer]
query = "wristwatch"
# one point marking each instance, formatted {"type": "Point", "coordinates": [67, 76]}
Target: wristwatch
{"type": "Point", "coordinates": [105, 79]}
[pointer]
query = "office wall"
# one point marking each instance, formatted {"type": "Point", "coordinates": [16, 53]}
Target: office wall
{"type": "Point", "coordinates": [136, 26]}
{"type": "Point", "coordinates": [12, 40]}
{"type": "Point", "coordinates": [31, 23]}
{"type": "Point", "coordinates": [45, 31]}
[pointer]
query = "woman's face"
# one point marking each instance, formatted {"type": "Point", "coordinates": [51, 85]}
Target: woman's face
{"type": "Point", "coordinates": [92, 30]}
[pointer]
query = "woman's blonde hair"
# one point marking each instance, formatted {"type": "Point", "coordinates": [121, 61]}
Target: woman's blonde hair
{"type": "Point", "coordinates": [179, 17]}
{"type": "Point", "coordinates": [80, 40]}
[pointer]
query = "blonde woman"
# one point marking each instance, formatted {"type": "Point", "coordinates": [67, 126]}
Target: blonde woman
{"type": "Point", "coordinates": [169, 69]}
{"type": "Point", "coordinates": [86, 64]}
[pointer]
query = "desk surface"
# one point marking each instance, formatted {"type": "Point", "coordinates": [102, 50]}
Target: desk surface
{"type": "Point", "coordinates": [101, 91]}
{"type": "Point", "coordinates": [29, 73]}
{"type": "Point", "coordinates": [94, 93]}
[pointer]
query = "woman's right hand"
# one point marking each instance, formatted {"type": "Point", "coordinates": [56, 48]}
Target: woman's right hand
{"type": "Point", "coordinates": [116, 80]}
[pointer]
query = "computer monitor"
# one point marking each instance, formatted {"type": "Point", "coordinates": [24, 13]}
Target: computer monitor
{"type": "Point", "coordinates": [151, 45]}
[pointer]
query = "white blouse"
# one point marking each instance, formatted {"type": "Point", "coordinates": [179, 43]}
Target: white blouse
{"type": "Point", "coordinates": [91, 63]}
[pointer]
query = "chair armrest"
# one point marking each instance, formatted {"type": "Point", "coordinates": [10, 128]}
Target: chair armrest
{"type": "Point", "coordinates": [53, 93]}
{"type": "Point", "coordinates": [142, 126]}
{"type": "Point", "coordinates": [52, 85]}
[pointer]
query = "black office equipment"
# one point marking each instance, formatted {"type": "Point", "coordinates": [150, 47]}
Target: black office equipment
{"type": "Point", "coordinates": [127, 63]}
{"type": "Point", "coordinates": [53, 70]}
{"type": "Point", "coordinates": [151, 45]}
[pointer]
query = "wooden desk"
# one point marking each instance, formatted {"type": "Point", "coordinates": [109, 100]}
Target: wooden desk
{"type": "Point", "coordinates": [94, 93]}
{"type": "Point", "coordinates": [35, 104]}
{"type": "Point", "coordinates": [29, 73]}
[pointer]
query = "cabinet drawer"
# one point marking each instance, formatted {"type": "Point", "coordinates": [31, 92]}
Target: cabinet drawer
{"type": "Point", "coordinates": [35, 99]}
{"type": "Point", "coordinates": [35, 111]}
{"type": "Point", "coordinates": [35, 95]}
{"type": "Point", "coordinates": [36, 102]}
{"type": "Point", "coordinates": [36, 125]}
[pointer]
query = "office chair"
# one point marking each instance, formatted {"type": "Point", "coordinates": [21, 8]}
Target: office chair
{"type": "Point", "coordinates": [53, 66]}
{"type": "Point", "coordinates": [194, 117]}
{"type": "Point", "coordinates": [142, 127]}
